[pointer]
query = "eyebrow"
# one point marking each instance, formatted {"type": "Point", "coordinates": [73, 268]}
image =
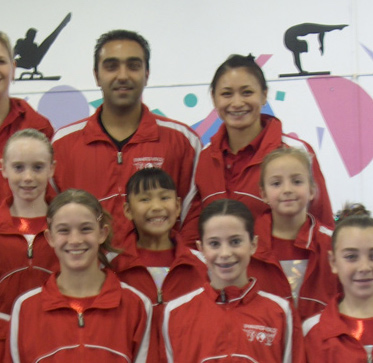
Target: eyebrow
{"type": "Point", "coordinates": [130, 59]}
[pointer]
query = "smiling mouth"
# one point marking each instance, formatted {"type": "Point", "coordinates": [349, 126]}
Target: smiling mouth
{"type": "Point", "coordinates": [238, 113]}
{"type": "Point", "coordinates": [76, 252]}
{"type": "Point", "coordinates": [157, 220]}
{"type": "Point", "coordinates": [226, 265]}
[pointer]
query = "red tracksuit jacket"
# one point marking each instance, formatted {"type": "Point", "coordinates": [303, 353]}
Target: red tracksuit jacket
{"type": "Point", "coordinates": [21, 116]}
{"type": "Point", "coordinates": [88, 159]}
{"type": "Point", "coordinates": [210, 178]}
{"type": "Point", "coordinates": [328, 339]}
{"type": "Point", "coordinates": [186, 274]}
{"type": "Point", "coordinates": [244, 325]}
{"type": "Point", "coordinates": [22, 266]}
{"type": "Point", "coordinates": [4, 326]}
{"type": "Point", "coordinates": [44, 328]}
{"type": "Point", "coordinates": [319, 284]}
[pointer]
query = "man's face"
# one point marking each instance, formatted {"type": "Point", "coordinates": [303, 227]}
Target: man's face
{"type": "Point", "coordinates": [122, 74]}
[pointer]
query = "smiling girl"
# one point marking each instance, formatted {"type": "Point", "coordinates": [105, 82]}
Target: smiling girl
{"type": "Point", "coordinates": [292, 256]}
{"type": "Point", "coordinates": [26, 260]}
{"type": "Point", "coordinates": [83, 313]}
{"type": "Point", "coordinates": [229, 166]}
{"type": "Point", "coordinates": [229, 319]}
{"type": "Point", "coordinates": [344, 330]}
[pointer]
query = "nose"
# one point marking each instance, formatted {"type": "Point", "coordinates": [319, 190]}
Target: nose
{"type": "Point", "coordinates": [75, 237]}
{"type": "Point", "coordinates": [365, 265]}
{"type": "Point", "coordinates": [122, 72]}
{"type": "Point", "coordinates": [287, 186]}
{"type": "Point", "coordinates": [27, 174]}
{"type": "Point", "coordinates": [156, 204]}
{"type": "Point", "coordinates": [225, 251]}
{"type": "Point", "coordinates": [237, 100]}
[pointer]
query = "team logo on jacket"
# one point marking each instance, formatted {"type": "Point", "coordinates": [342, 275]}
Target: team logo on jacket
{"type": "Point", "coordinates": [148, 162]}
{"type": "Point", "coordinates": [260, 333]}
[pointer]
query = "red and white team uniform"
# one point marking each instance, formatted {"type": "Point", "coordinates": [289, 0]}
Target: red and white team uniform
{"type": "Point", "coordinates": [26, 259]}
{"type": "Point", "coordinates": [45, 327]}
{"type": "Point", "coordinates": [220, 174]}
{"type": "Point", "coordinates": [186, 273]}
{"type": "Point", "coordinates": [329, 339]}
{"type": "Point", "coordinates": [241, 325]}
{"type": "Point", "coordinates": [88, 159]}
{"type": "Point", "coordinates": [319, 283]}
{"type": "Point", "coordinates": [4, 326]}
{"type": "Point", "coordinates": [21, 116]}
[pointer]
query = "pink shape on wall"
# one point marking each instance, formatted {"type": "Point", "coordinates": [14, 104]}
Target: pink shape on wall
{"type": "Point", "coordinates": [348, 113]}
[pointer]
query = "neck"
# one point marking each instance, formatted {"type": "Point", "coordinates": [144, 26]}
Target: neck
{"type": "Point", "coordinates": [29, 209]}
{"type": "Point", "coordinates": [238, 138]}
{"type": "Point", "coordinates": [81, 283]}
{"type": "Point", "coordinates": [286, 227]}
{"type": "Point", "coordinates": [4, 108]}
{"type": "Point", "coordinates": [155, 243]}
{"type": "Point", "coordinates": [121, 123]}
{"type": "Point", "coordinates": [356, 308]}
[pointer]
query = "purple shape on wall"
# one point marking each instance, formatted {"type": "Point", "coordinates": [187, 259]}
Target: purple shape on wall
{"type": "Point", "coordinates": [63, 105]}
{"type": "Point", "coordinates": [348, 113]}
{"type": "Point", "coordinates": [320, 135]}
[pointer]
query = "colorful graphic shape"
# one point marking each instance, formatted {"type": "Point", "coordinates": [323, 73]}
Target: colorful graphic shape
{"type": "Point", "coordinates": [63, 105]}
{"type": "Point", "coordinates": [190, 100]}
{"type": "Point", "coordinates": [320, 135]}
{"type": "Point", "coordinates": [348, 113]}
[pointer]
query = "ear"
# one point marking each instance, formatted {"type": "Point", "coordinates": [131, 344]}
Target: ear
{"type": "Point", "coordinates": [14, 70]}
{"type": "Point", "coordinates": [48, 237]}
{"type": "Point", "coordinates": [332, 262]}
{"type": "Point", "coordinates": [105, 230]}
{"type": "Point", "coordinates": [312, 192]}
{"type": "Point", "coordinates": [178, 206]}
{"type": "Point", "coordinates": [254, 245]}
{"type": "Point", "coordinates": [263, 195]}
{"type": "Point", "coordinates": [264, 100]}
{"type": "Point", "coordinates": [199, 245]}
{"type": "Point", "coordinates": [127, 211]}
{"type": "Point", "coordinates": [95, 74]}
{"type": "Point", "coordinates": [3, 170]}
{"type": "Point", "coordinates": [52, 169]}
{"type": "Point", "coordinates": [146, 77]}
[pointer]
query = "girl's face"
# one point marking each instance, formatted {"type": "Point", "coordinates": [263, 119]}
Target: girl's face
{"type": "Point", "coordinates": [28, 166]}
{"type": "Point", "coordinates": [238, 99]}
{"type": "Point", "coordinates": [154, 212]}
{"type": "Point", "coordinates": [7, 69]}
{"type": "Point", "coordinates": [352, 260]}
{"type": "Point", "coordinates": [76, 235]}
{"type": "Point", "coordinates": [227, 247]}
{"type": "Point", "coordinates": [287, 188]}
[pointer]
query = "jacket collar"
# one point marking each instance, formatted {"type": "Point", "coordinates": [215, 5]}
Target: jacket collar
{"type": "Point", "coordinates": [263, 228]}
{"type": "Point", "coordinates": [147, 130]}
{"type": "Point", "coordinates": [109, 296]}
{"type": "Point", "coordinates": [232, 295]}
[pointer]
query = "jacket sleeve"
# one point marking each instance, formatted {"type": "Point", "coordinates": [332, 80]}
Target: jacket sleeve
{"type": "Point", "coordinates": [189, 229]}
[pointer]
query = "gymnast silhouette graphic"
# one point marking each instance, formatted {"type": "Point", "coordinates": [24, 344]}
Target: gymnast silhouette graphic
{"type": "Point", "coordinates": [28, 54]}
{"type": "Point", "coordinates": [298, 46]}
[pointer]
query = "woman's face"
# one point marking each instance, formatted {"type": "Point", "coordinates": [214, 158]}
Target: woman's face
{"type": "Point", "coordinates": [238, 99]}
{"type": "Point", "coordinates": [7, 69]}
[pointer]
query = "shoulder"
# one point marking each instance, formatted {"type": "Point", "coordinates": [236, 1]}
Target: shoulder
{"type": "Point", "coordinates": [73, 129]}
{"type": "Point", "coordinates": [292, 141]}
{"type": "Point", "coordinates": [178, 128]}
{"type": "Point", "coordinates": [137, 295]}
{"type": "Point", "coordinates": [282, 303]}
{"type": "Point", "coordinates": [310, 323]}
{"type": "Point", "coordinates": [27, 298]}
{"type": "Point", "coordinates": [183, 300]}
